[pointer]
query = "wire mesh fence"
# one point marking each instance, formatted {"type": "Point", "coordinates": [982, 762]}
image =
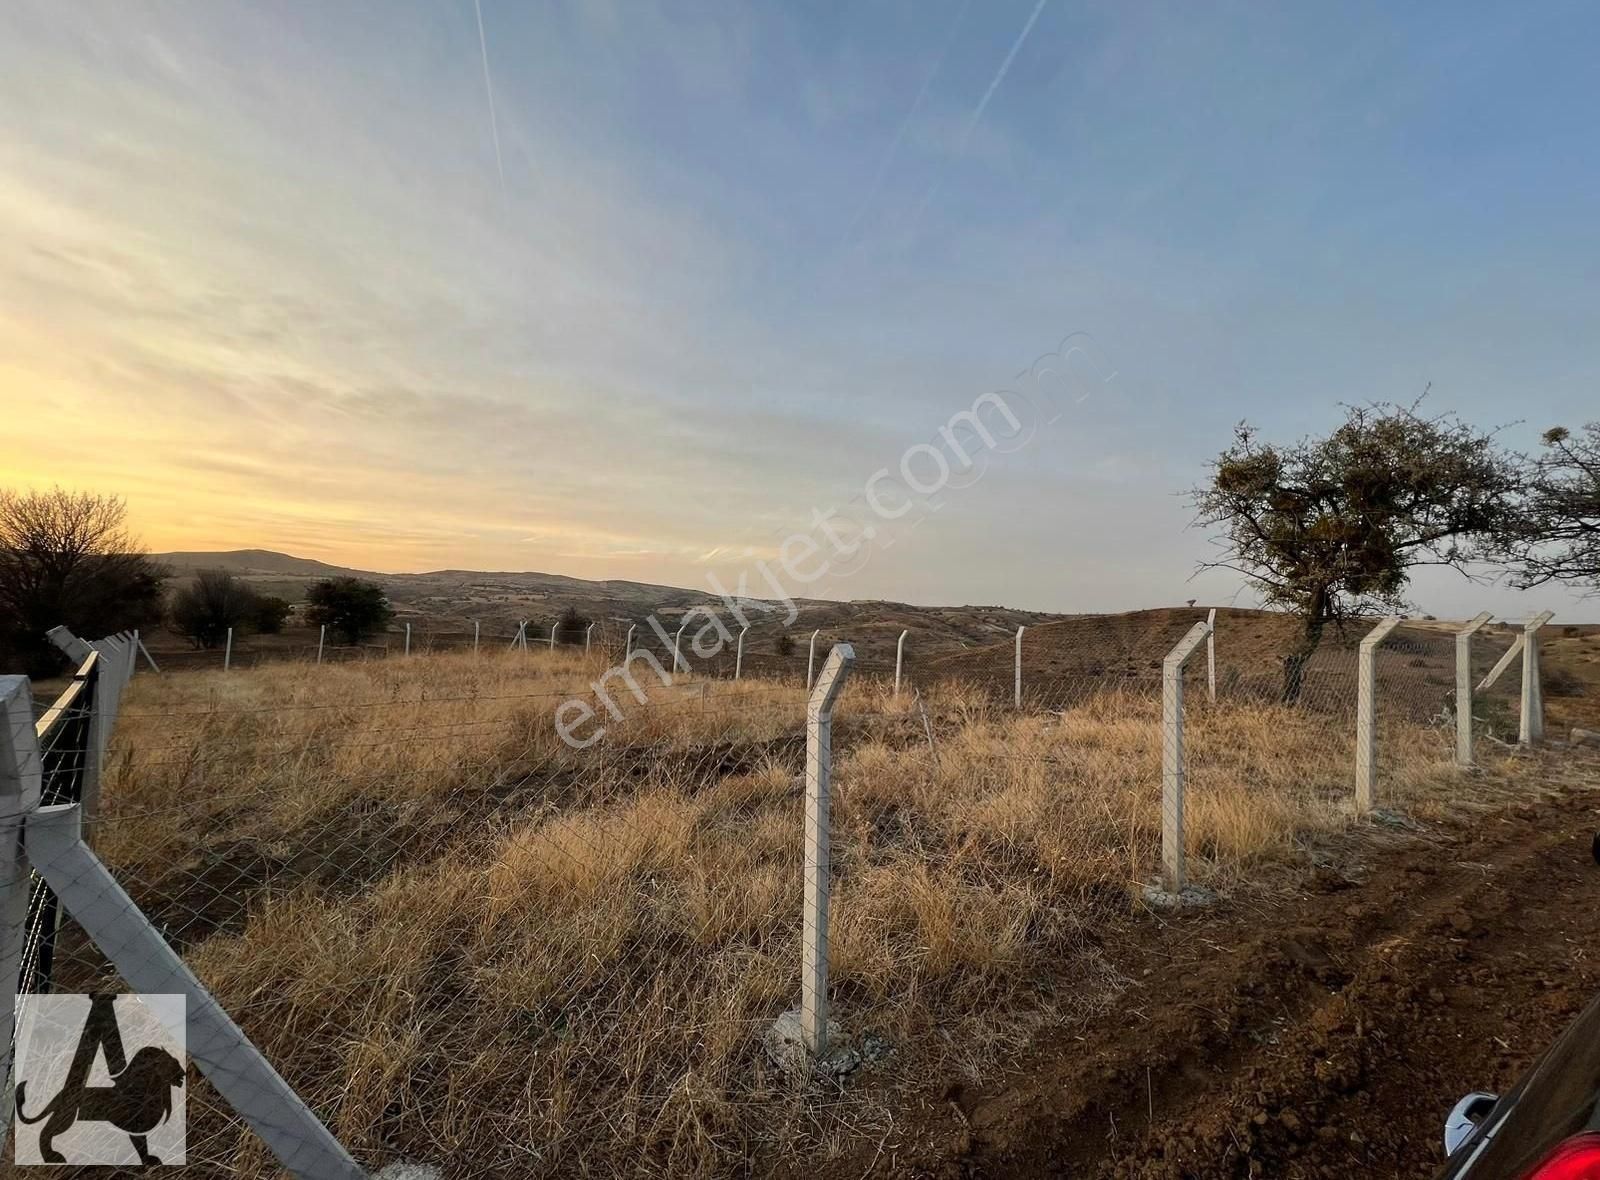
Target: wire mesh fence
{"type": "Point", "coordinates": [467, 932]}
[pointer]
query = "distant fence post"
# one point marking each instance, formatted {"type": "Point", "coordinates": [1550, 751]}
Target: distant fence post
{"type": "Point", "coordinates": [520, 636]}
{"type": "Point", "coordinates": [21, 779]}
{"type": "Point", "coordinates": [819, 774]}
{"type": "Point", "coordinates": [1172, 774]}
{"type": "Point", "coordinates": [1532, 727]}
{"type": "Point", "coordinates": [476, 626]}
{"type": "Point", "coordinates": [588, 633]}
{"type": "Point", "coordinates": [899, 659]}
{"type": "Point", "coordinates": [1464, 687]}
{"type": "Point", "coordinates": [811, 659]}
{"type": "Point", "coordinates": [322, 636]}
{"type": "Point", "coordinates": [141, 649]}
{"type": "Point", "coordinates": [1367, 712]}
{"type": "Point", "coordinates": [408, 639]}
{"type": "Point", "coordinates": [227, 652]}
{"type": "Point", "coordinates": [1211, 654]}
{"type": "Point", "coordinates": [677, 641]}
{"type": "Point", "coordinates": [553, 627]}
{"type": "Point", "coordinates": [627, 644]}
{"type": "Point", "coordinates": [1016, 690]}
{"type": "Point", "coordinates": [738, 658]}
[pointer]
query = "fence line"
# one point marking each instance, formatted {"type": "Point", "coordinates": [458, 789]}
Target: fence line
{"type": "Point", "coordinates": [225, 846]}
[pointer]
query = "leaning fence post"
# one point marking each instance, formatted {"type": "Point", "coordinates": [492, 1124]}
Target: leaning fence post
{"type": "Point", "coordinates": [811, 659]}
{"type": "Point", "coordinates": [738, 658]}
{"type": "Point", "coordinates": [553, 628]}
{"type": "Point", "coordinates": [588, 632]}
{"type": "Point", "coordinates": [627, 644]}
{"type": "Point", "coordinates": [1211, 654]}
{"type": "Point", "coordinates": [1172, 775]}
{"type": "Point", "coordinates": [1367, 712]}
{"type": "Point", "coordinates": [1464, 687]}
{"type": "Point", "coordinates": [227, 652]}
{"type": "Point", "coordinates": [21, 777]}
{"type": "Point", "coordinates": [819, 772]}
{"type": "Point", "coordinates": [71, 646]}
{"type": "Point", "coordinates": [104, 911]}
{"type": "Point", "coordinates": [899, 659]}
{"type": "Point", "coordinates": [1016, 692]}
{"type": "Point", "coordinates": [322, 635]}
{"type": "Point", "coordinates": [677, 640]}
{"type": "Point", "coordinates": [1532, 727]}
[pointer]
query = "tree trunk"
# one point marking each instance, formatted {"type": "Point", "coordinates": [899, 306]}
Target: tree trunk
{"type": "Point", "coordinates": [1294, 664]}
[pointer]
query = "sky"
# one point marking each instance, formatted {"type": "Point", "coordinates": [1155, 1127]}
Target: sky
{"type": "Point", "coordinates": [638, 290]}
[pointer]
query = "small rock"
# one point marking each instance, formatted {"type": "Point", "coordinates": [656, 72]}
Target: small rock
{"type": "Point", "coordinates": [1585, 737]}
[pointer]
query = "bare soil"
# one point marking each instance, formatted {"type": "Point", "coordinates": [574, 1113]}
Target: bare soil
{"type": "Point", "coordinates": [1317, 1031]}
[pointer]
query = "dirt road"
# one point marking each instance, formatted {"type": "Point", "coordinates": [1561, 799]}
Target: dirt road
{"type": "Point", "coordinates": [1324, 1031]}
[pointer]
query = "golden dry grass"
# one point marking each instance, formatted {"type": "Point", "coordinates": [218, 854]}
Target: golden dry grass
{"type": "Point", "coordinates": [465, 942]}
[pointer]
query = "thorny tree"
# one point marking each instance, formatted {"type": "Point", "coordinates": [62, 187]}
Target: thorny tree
{"type": "Point", "coordinates": [67, 558]}
{"type": "Point", "coordinates": [1556, 536]}
{"type": "Point", "coordinates": [1331, 528]}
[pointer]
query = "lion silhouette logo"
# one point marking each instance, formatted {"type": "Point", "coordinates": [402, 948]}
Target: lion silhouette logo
{"type": "Point", "coordinates": [136, 1098]}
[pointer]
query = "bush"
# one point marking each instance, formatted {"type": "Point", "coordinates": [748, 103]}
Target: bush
{"type": "Point", "coordinates": [205, 609]}
{"type": "Point", "coordinates": [270, 615]}
{"type": "Point", "coordinates": [784, 645]}
{"type": "Point", "coordinates": [351, 608]}
{"type": "Point", "coordinates": [1561, 682]}
{"type": "Point", "coordinates": [572, 624]}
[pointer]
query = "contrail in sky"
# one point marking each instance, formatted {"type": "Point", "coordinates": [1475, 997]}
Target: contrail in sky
{"type": "Point", "coordinates": [977, 113]}
{"type": "Point", "coordinates": [1000, 75]}
{"type": "Point", "coordinates": [488, 88]}
{"type": "Point", "coordinates": [905, 124]}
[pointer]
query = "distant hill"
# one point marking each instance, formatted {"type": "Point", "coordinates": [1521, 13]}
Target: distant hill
{"type": "Point", "coordinates": [254, 561]}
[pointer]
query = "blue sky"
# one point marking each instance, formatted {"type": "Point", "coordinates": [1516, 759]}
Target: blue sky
{"type": "Point", "coordinates": [262, 271]}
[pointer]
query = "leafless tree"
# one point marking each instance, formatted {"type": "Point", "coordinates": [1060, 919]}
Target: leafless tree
{"type": "Point", "coordinates": [68, 558]}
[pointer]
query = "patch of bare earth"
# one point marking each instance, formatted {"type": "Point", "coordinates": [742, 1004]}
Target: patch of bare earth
{"type": "Point", "coordinates": [1321, 1030]}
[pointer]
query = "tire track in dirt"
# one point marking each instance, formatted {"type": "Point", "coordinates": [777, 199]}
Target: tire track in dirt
{"type": "Point", "coordinates": [1312, 1033]}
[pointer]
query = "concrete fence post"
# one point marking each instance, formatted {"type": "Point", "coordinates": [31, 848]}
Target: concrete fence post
{"type": "Point", "coordinates": [819, 773]}
{"type": "Point", "coordinates": [21, 779]}
{"type": "Point", "coordinates": [738, 657]}
{"type": "Point", "coordinates": [1211, 654]}
{"type": "Point", "coordinates": [69, 644]}
{"type": "Point", "coordinates": [1016, 690]}
{"type": "Point", "coordinates": [677, 643]}
{"type": "Point", "coordinates": [811, 660]}
{"type": "Point", "coordinates": [1532, 728]}
{"type": "Point", "coordinates": [1464, 687]}
{"type": "Point", "coordinates": [588, 635]}
{"type": "Point", "coordinates": [53, 840]}
{"type": "Point", "coordinates": [520, 636]}
{"type": "Point", "coordinates": [1367, 712]}
{"type": "Point", "coordinates": [476, 634]}
{"type": "Point", "coordinates": [1172, 772]}
{"type": "Point", "coordinates": [553, 628]}
{"type": "Point", "coordinates": [227, 652]}
{"type": "Point", "coordinates": [899, 659]}
{"type": "Point", "coordinates": [627, 644]}
{"type": "Point", "coordinates": [322, 637]}
{"type": "Point", "coordinates": [139, 649]}
{"type": "Point", "coordinates": [408, 639]}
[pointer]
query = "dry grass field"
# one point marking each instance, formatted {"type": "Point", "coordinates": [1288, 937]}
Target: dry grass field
{"type": "Point", "coordinates": [463, 941]}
